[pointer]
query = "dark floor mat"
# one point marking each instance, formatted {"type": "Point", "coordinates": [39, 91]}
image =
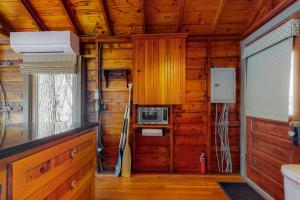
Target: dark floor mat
{"type": "Point", "coordinates": [240, 191]}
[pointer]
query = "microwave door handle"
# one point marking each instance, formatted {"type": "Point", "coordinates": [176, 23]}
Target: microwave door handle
{"type": "Point", "coordinates": [165, 115]}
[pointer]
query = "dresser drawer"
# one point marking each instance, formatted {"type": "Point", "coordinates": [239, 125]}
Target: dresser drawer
{"type": "Point", "coordinates": [70, 184]}
{"type": "Point", "coordinates": [30, 174]}
{"type": "Point", "coordinates": [86, 192]}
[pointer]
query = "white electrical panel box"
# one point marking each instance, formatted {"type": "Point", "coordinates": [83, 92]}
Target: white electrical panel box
{"type": "Point", "coordinates": [222, 85]}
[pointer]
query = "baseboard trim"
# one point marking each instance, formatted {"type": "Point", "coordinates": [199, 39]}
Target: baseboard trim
{"type": "Point", "coordinates": [263, 193]}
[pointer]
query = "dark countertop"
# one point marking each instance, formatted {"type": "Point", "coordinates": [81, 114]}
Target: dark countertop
{"type": "Point", "coordinates": [16, 138]}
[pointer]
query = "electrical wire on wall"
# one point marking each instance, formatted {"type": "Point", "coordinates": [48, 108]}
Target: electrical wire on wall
{"type": "Point", "coordinates": [221, 134]}
{"type": "Point", "coordinates": [100, 109]}
{"type": "Point", "coordinates": [5, 113]}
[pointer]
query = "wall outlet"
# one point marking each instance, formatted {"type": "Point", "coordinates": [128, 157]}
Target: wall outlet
{"type": "Point", "coordinates": [96, 95]}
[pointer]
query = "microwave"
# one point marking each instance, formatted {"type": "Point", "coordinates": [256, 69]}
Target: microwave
{"type": "Point", "coordinates": [152, 115]}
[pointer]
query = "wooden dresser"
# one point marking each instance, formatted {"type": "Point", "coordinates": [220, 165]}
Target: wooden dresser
{"type": "Point", "coordinates": [62, 169]}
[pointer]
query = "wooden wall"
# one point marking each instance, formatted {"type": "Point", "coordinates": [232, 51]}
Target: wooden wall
{"type": "Point", "coordinates": [115, 56]}
{"type": "Point", "coordinates": [192, 121]}
{"type": "Point", "coordinates": [115, 97]}
{"type": "Point", "coordinates": [88, 51]}
{"type": "Point", "coordinates": [12, 81]}
{"type": "Point", "coordinates": [193, 133]}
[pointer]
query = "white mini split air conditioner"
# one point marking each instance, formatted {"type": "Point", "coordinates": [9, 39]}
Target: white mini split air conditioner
{"type": "Point", "coordinates": [56, 42]}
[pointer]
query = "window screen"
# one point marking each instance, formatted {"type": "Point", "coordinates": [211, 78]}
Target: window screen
{"type": "Point", "coordinates": [268, 82]}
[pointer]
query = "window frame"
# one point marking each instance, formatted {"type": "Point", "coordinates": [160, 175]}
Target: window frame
{"type": "Point", "coordinates": [30, 98]}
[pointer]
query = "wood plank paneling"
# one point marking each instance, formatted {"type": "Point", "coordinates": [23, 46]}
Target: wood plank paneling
{"type": "Point", "coordinates": [115, 97]}
{"type": "Point", "coordinates": [191, 121]}
{"type": "Point", "coordinates": [196, 17]}
{"type": "Point", "coordinates": [159, 70]}
{"type": "Point", "coordinates": [268, 148]}
{"type": "Point", "coordinates": [190, 118]}
{"type": "Point", "coordinates": [12, 81]}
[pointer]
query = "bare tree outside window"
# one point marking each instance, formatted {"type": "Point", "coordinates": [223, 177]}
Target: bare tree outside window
{"type": "Point", "coordinates": [55, 97]}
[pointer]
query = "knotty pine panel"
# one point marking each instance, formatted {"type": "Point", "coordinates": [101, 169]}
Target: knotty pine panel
{"type": "Point", "coordinates": [115, 97]}
{"type": "Point", "coordinates": [92, 78]}
{"type": "Point", "coordinates": [182, 129]}
{"type": "Point", "coordinates": [152, 150]}
{"type": "Point", "coordinates": [268, 148]}
{"type": "Point", "coordinates": [185, 163]}
{"type": "Point", "coordinates": [152, 163]}
{"type": "Point", "coordinates": [12, 81]}
{"type": "Point", "coordinates": [159, 70]}
{"type": "Point", "coordinates": [226, 54]}
{"type": "Point", "coordinates": [191, 119]}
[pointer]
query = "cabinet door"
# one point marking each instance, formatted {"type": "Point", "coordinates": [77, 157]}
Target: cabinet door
{"type": "Point", "coordinates": [138, 68]}
{"type": "Point", "coordinates": [172, 70]}
{"type": "Point", "coordinates": [150, 73]}
{"type": "Point", "coordinates": [159, 71]}
{"type": "Point", "coordinates": [146, 72]}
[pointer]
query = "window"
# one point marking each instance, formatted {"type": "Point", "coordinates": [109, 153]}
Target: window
{"type": "Point", "coordinates": [56, 106]}
{"type": "Point", "coordinates": [269, 92]}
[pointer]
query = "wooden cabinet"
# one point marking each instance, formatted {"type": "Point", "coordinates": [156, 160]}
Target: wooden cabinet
{"type": "Point", "coordinates": [159, 69]}
{"type": "Point", "coordinates": [63, 171]}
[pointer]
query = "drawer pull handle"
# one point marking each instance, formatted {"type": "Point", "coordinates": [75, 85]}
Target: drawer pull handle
{"type": "Point", "coordinates": [73, 183]}
{"type": "Point", "coordinates": [73, 153]}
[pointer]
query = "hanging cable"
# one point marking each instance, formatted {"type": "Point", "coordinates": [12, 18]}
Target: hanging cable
{"type": "Point", "coordinates": [4, 106]}
{"type": "Point", "coordinates": [216, 142]}
{"type": "Point", "coordinates": [221, 130]}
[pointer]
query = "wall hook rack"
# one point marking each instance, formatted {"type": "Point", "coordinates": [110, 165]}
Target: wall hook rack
{"type": "Point", "coordinates": [115, 73]}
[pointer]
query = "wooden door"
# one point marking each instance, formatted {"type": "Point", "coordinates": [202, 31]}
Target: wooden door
{"type": "Point", "coordinates": [159, 70]}
{"type": "Point", "coordinates": [268, 148]}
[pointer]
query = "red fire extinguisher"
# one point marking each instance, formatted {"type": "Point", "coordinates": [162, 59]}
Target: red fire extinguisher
{"type": "Point", "coordinates": [203, 163]}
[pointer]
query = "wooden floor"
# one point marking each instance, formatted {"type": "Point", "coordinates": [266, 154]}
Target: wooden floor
{"type": "Point", "coordinates": [161, 187]}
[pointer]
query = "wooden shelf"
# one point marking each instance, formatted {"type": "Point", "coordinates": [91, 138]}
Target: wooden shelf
{"type": "Point", "coordinates": [145, 148]}
{"type": "Point", "coordinates": [135, 125]}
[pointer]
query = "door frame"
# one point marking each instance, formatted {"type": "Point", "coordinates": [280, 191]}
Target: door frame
{"type": "Point", "coordinates": [291, 10]}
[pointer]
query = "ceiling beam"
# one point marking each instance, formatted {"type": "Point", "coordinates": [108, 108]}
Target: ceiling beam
{"type": "Point", "coordinates": [256, 12]}
{"type": "Point", "coordinates": [218, 16]}
{"type": "Point", "coordinates": [107, 18]}
{"type": "Point", "coordinates": [128, 38]}
{"type": "Point", "coordinates": [67, 7]}
{"type": "Point", "coordinates": [279, 8]}
{"type": "Point", "coordinates": [32, 14]}
{"type": "Point", "coordinates": [4, 30]}
{"type": "Point", "coordinates": [213, 37]}
{"type": "Point", "coordinates": [270, 4]}
{"type": "Point", "coordinates": [143, 15]}
{"type": "Point", "coordinates": [180, 16]}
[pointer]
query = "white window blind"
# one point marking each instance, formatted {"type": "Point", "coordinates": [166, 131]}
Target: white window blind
{"type": "Point", "coordinates": [49, 64]}
{"type": "Point", "coordinates": [268, 82]}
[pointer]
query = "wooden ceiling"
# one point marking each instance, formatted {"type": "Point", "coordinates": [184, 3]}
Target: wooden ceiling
{"type": "Point", "coordinates": [127, 17]}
